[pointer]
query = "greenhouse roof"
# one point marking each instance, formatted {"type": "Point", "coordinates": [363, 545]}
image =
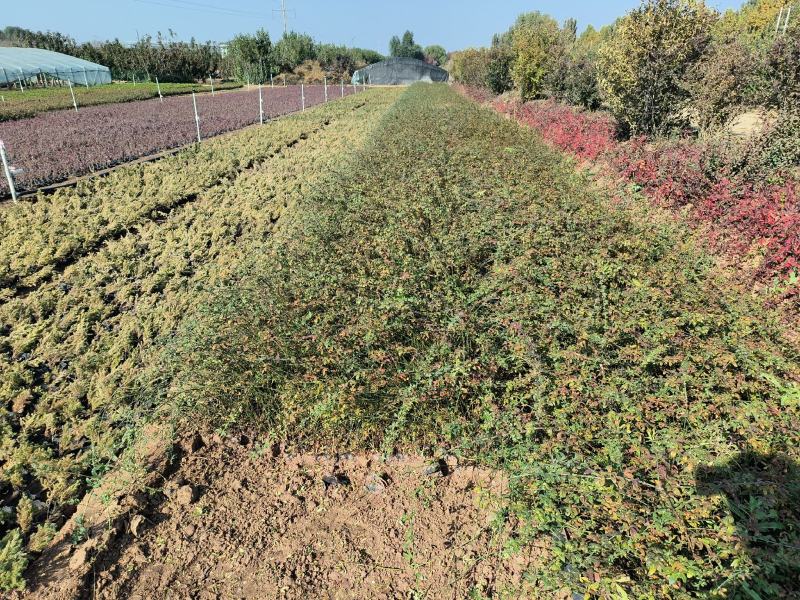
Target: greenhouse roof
{"type": "Point", "coordinates": [24, 63]}
{"type": "Point", "coordinates": [399, 71]}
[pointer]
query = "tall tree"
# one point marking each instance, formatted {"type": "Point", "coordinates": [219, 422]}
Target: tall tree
{"type": "Point", "coordinates": [643, 65]}
{"type": "Point", "coordinates": [405, 47]}
{"type": "Point", "coordinates": [293, 49]}
{"type": "Point", "coordinates": [535, 42]}
{"type": "Point", "coordinates": [250, 57]}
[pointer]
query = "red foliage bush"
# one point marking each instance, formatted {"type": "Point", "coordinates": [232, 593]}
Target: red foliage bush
{"type": "Point", "coordinates": [587, 135]}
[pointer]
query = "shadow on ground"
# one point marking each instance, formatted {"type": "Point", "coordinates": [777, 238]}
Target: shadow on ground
{"type": "Point", "coordinates": [763, 497]}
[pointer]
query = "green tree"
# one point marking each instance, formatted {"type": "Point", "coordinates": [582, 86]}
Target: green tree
{"type": "Point", "coordinates": [250, 57]}
{"type": "Point", "coordinates": [435, 54]}
{"type": "Point", "coordinates": [642, 66]}
{"type": "Point", "coordinates": [292, 50]}
{"type": "Point", "coordinates": [534, 40]}
{"type": "Point", "coordinates": [405, 47]}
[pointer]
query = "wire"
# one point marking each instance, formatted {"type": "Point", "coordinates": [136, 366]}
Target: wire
{"type": "Point", "coordinates": [194, 4]}
{"type": "Point", "coordinates": [199, 7]}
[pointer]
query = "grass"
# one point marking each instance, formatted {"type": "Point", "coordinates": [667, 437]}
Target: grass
{"type": "Point", "coordinates": [31, 102]}
{"type": "Point", "coordinates": [460, 285]}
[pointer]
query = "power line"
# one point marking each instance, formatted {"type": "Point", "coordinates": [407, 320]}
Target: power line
{"type": "Point", "coordinates": [200, 7]}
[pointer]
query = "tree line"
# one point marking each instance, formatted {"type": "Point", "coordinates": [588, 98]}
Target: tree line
{"type": "Point", "coordinates": [664, 66]}
{"type": "Point", "coordinates": [247, 57]}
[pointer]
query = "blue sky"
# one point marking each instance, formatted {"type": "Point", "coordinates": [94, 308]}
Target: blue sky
{"type": "Point", "coordinates": [454, 24]}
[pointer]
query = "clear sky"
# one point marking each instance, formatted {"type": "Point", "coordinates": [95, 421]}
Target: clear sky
{"type": "Point", "coordinates": [454, 24]}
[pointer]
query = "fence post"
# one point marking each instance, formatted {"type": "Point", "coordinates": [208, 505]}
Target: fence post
{"type": "Point", "coordinates": [303, 96]}
{"type": "Point", "coordinates": [260, 106]}
{"type": "Point", "coordinates": [196, 116]}
{"type": "Point", "coordinates": [158, 87]}
{"type": "Point", "coordinates": [326, 90]}
{"type": "Point", "coordinates": [72, 92]}
{"type": "Point", "coordinates": [7, 170]}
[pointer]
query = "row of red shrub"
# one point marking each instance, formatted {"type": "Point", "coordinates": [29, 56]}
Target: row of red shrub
{"type": "Point", "coordinates": [744, 214]}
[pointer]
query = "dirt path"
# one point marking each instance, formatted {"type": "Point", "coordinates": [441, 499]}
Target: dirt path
{"type": "Point", "coordinates": [238, 519]}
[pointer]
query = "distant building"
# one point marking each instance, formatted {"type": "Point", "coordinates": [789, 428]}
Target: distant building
{"type": "Point", "coordinates": [21, 66]}
{"type": "Point", "coordinates": [399, 71]}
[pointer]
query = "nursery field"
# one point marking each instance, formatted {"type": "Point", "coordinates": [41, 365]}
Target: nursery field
{"type": "Point", "coordinates": [55, 146]}
{"type": "Point", "coordinates": [31, 102]}
{"type": "Point", "coordinates": [401, 271]}
{"type": "Point", "coordinates": [113, 265]}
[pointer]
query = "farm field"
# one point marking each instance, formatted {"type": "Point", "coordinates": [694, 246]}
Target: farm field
{"type": "Point", "coordinates": [97, 137]}
{"type": "Point", "coordinates": [74, 341]}
{"type": "Point", "coordinates": [31, 102]}
{"type": "Point", "coordinates": [396, 272]}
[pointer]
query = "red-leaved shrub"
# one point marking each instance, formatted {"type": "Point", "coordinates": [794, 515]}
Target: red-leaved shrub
{"type": "Point", "coordinates": [587, 135]}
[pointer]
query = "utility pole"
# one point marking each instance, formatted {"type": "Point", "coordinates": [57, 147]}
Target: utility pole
{"type": "Point", "coordinates": [285, 14]}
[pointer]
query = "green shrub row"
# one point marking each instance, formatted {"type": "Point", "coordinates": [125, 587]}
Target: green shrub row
{"type": "Point", "coordinates": [459, 285]}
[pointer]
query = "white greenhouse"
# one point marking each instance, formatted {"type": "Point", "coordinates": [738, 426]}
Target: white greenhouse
{"type": "Point", "coordinates": [20, 66]}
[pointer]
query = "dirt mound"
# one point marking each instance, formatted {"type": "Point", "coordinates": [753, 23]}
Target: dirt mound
{"type": "Point", "coordinates": [243, 520]}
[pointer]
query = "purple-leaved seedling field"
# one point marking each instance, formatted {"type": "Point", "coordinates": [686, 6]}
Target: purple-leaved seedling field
{"type": "Point", "coordinates": [55, 146]}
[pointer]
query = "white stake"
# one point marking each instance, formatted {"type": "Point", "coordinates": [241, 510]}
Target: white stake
{"type": "Point", "coordinates": [21, 87]}
{"type": "Point", "coordinates": [778, 22]}
{"type": "Point", "coordinates": [303, 96]}
{"type": "Point", "coordinates": [7, 170]}
{"type": "Point", "coordinates": [85, 78]}
{"type": "Point", "coordinates": [260, 106]}
{"type": "Point", "coordinates": [71, 91]}
{"type": "Point", "coordinates": [248, 80]}
{"type": "Point", "coordinates": [158, 87]}
{"type": "Point", "coordinates": [284, 81]}
{"type": "Point", "coordinates": [212, 85]}
{"type": "Point", "coordinates": [326, 90]}
{"type": "Point", "coordinates": [134, 80]}
{"type": "Point", "coordinates": [196, 116]}
{"type": "Point", "coordinates": [786, 23]}
{"type": "Point", "coordinates": [342, 88]}
{"type": "Point", "coordinates": [271, 82]}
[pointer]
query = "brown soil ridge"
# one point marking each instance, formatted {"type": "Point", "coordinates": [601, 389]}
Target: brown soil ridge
{"type": "Point", "coordinates": [238, 519]}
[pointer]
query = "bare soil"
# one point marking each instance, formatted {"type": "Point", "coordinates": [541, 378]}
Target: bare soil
{"type": "Point", "coordinates": [238, 519]}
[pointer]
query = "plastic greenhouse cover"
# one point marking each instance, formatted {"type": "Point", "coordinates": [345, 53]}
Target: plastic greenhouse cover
{"type": "Point", "coordinates": [399, 71]}
{"type": "Point", "coordinates": [23, 63]}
